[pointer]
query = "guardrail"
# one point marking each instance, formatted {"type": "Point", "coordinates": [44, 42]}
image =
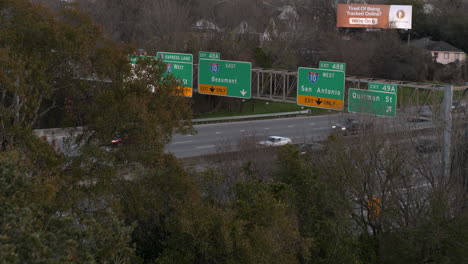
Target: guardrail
{"type": "Point", "coordinates": [246, 117]}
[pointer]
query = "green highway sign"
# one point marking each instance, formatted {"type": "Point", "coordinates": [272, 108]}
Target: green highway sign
{"type": "Point", "coordinates": [134, 58]}
{"type": "Point", "coordinates": [372, 102]}
{"type": "Point", "coordinates": [175, 57]}
{"type": "Point", "coordinates": [209, 55]}
{"type": "Point", "coordinates": [320, 88]}
{"type": "Point", "coordinates": [383, 87]}
{"type": "Point", "coordinates": [180, 65]}
{"type": "Point", "coordinates": [225, 78]}
{"type": "Point", "coordinates": [328, 65]}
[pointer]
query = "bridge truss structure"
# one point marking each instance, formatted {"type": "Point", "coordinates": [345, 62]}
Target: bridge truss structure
{"type": "Point", "coordinates": [281, 85]}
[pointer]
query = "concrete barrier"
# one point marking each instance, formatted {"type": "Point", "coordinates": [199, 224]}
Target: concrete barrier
{"type": "Point", "coordinates": [245, 117]}
{"type": "Point", "coordinates": [56, 136]}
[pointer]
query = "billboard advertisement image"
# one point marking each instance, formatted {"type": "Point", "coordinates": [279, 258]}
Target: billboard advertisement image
{"type": "Point", "coordinates": [374, 16]}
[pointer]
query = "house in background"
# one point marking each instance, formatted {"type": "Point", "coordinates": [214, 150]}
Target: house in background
{"type": "Point", "coordinates": [442, 52]}
{"type": "Point", "coordinates": [204, 25]}
{"type": "Point", "coordinates": [244, 28]}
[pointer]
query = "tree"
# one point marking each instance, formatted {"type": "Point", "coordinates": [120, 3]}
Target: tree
{"type": "Point", "coordinates": [440, 19]}
{"type": "Point", "coordinates": [48, 57]}
{"type": "Point", "coordinates": [402, 205]}
{"type": "Point", "coordinates": [41, 61]}
{"type": "Point", "coordinates": [33, 231]}
{"type": "Point", "coordinates": [322, 211]}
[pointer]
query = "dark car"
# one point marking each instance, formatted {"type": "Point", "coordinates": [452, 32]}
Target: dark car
{"type": "Point", "coordinates": [458, 106]}
{"type": "Point", "coordinates": [351, 126]}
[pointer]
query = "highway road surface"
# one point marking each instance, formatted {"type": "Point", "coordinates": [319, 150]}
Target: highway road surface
{"type": "Point", "coordinates": [299, 129]}
{"type": "Point", "coordinates": [211, 137]}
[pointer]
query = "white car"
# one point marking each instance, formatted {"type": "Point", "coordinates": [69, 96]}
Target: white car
{"type": "Point", "coordinates": [275, 141]}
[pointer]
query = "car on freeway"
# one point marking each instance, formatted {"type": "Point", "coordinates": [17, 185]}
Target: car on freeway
{"type": "Point", "coordinates": [117, 141]}
{"type": "Point", "coordinates": [274, 141]}
{"type": "Point", "coordinates": [458, 106]}
{"type": "Point", "coordinates": [120, 140]}
{"type": "Point", "coordinates": [351, 126]}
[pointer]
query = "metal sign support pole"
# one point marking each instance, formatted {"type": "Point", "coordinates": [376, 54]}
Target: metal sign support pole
{"type": "Point", "coordinates": [409, 37]}
{"type": "Point", "coordinates": [448, 99]}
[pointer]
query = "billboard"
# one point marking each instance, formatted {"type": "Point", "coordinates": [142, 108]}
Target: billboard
{"type": "Point", "coordinates": [374, 16]}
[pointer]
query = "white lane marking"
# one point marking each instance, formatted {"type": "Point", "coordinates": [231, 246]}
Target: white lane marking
{"type": "Point", "coordinates": [266, 128]}
{"type": "Point", "coordinates": [242, 130]}
{"type": "Point", "coordinates": [290, 126]}
{"type": "Point", "coordinates": [209, 146]}
{"type": "Point", "coordinates": [320, 128]}
{"type": "Point", "coordinates": [311, 124]}
{"type": "Point", "coordinates": [181, 142]}
{"type": "Point", "coordinates": [218, 132]}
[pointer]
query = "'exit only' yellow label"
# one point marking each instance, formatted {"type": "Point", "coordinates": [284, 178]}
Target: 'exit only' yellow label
{"type": "Point", "coordinates": [213, 89]}
{"type": "Point", "coordinates": [320, 102]}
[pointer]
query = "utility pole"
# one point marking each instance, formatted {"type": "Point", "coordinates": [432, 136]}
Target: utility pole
{"type": "Point", "coordinates": [465, 153]}
{"type": "Point", "coordinates": [447, 111]}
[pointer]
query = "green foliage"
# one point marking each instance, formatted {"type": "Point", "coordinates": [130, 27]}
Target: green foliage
{"type": "Point", "coordinates": [29, 238]}
{"type": "Point", "coordinates": [133, 203]}
{"type": "Point", "coordinates": [183, 228]}
{"type": "Point", "coordinates": [40, 54]}
{"type": "Point", "coordinates": [280, 54]}
{"type": "Point", "coordinates": [33, 231]}
{"type": "Point", "coordinates": [57, 215]}
{"type": "Point", "coordinates": [435, 239]}
{"type": "Point", "coordinates": [320, 208]}
{"type": "Point", "coordinates": [131, 110]}
{"type": "Point", "coordinates": [158, 216]}
{"type": "Point", "coordinates": [266, 230]}
{"type": "Point", "coordinates": [391, 60]}
{"type": "Point", "coordinates": [262, 59]}
{"type": "Point", "coordinates": [254, 107]}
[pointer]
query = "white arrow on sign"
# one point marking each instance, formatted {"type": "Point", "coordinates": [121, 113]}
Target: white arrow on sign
{"type": "Point", "coordinates": [243, 92]}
